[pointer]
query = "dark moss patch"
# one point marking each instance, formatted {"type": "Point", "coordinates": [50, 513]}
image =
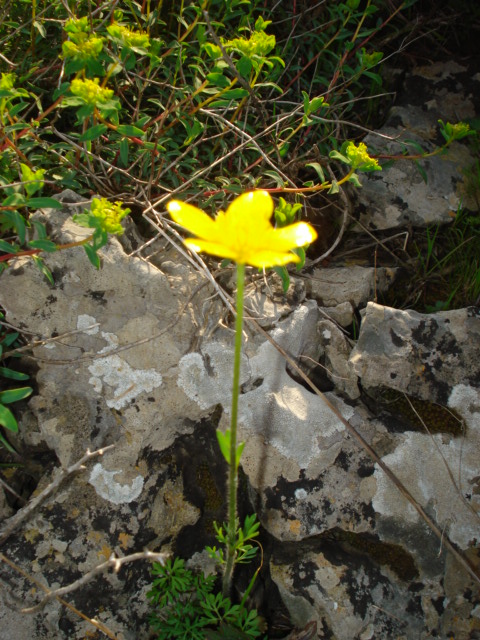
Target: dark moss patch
{"type": "Point", "coordinates": [343, 460]}
{"type": "Point", "coordinates": [381, 553]}
{"type": "Point", "coordinates": [98, 296]}
{"type": "Point", "coordinates": [405, 413]}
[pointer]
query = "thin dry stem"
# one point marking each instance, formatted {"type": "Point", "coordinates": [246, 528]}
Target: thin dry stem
{"type": "Point", "coordinates": [13, 523]}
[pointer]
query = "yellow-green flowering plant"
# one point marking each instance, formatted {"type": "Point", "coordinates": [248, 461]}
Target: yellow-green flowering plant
{"type": "Point", "coordinates": [104, 218]}
{"type": "Point", "coordinates": [243, 233]}
{"type": "Point", "coordinates": [358, 158]}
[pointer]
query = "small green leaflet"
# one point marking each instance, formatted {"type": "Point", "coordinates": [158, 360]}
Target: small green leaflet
{"type": "Point", "coordinates": [224, 443]}
{"type": "Point", "coordinates": [43, 203]}
{"type": "Point", "coordinates": [44, 245]}
{"type": "Point", "coordinates": [93, 133]}
{"type": "Point", "coordinates": [8, 248]}
{"type": "Point", "coordinates": [5, 372]}
{"type": "Point", "coordinates": [130, 130]}
{"type": "Point", "coordinates": [318, 169]}
{"type": "Point", "coordinates": [92, 255]}
{"type": "Point", "coordinates": [44, 270]}
{"type": "Point", "coordinates": [14, 395]}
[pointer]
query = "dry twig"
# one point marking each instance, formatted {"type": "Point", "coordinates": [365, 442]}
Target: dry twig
{"type": "Point", "coordinates": [25, 512]}
{"type": "Point", "coordinates": [112, 563]}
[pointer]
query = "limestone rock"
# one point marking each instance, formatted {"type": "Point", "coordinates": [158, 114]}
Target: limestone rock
{"type": "Point", "coordinates": [426, 356]}
{"type": "Point", "coordinates": [136, 367]}
{"type": "Point", "coordinates": [354, 285]}
{"type": "Point", "coordinates": [399, 195]}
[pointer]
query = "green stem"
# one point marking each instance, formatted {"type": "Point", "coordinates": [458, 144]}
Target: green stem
{"type": "Point", "coordinates": [233, 466]}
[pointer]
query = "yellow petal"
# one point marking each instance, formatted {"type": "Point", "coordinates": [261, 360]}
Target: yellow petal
{"type": "Point", "coordinates": [213, 248]}
{"type": "Point", "coordinates": [268, 259]}
{"type": "Point", "coordinates": [256, 205]}
{"type": "Point", "coordinates": [293, 236]}
{"type": "Point", "coordinates": [192, 219]}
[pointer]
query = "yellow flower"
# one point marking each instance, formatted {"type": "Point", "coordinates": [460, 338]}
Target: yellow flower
{"type": "Point", "coordinates": [259, 44]}
{"type": "Point", "coordinates": [359, 158]}
{"type": "Point", "coordinates": [128, 37]}
{"type": "Point", "coordinates": [243, 232]}
{"type": "Point", "coordinates": [90, 91]}
{"type": "Point", "coordinates": [108, 215]}
{"type": "Point", "coordinates": [89, 48]}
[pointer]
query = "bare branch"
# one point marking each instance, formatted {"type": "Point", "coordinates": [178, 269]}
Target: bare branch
{"type": "Point", "coordinates": [112, 563]}
{"type": "Point", "coordinates": [98, 625]}
{"type": "Point", "coordinates": [16, 520]}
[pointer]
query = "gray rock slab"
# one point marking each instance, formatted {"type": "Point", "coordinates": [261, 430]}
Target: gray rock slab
{"type": "Point", "coordinates": [355, 285]}
{"type": "Point", "coordinates": [424, 355]}
{"type": "Point", "coordinates": [399, 196]}
{"type": "Point", "coordinates": [436, 358]}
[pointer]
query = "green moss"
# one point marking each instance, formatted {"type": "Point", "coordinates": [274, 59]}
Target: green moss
{"type": "Point", "coordinates": [438, 419]}
{"type": "Point", "coordinates": [382, 553]}
{"type": "Point", "coordinates": [208, 486]}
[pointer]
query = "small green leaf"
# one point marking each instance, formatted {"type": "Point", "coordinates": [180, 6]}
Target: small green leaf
{"type": "Point", "coordinates": [283, 273]}
{"type": "Point", "coordinates": [40, 229]}
{"type": "Point", "coordinates": [5, 372]}
{"type": "Point", "coordinates": [14, 200]}
{"type": "Point", "coordinates": [300, 252]}
{"type": "Point", "coordinates": [283, 150]}
{"type": "Point", "coordinates": [421, 171]}
{"type": "Point", "coordinates": [43, 203]}
{"type": "Point", "coordinates": [40, 28]}
{"type": "Point", "coordinates": [238, 453]}
{"type": "Point", "coordinates": [130, 130]}
{"type": "Point", "coordinates": [8, 248]}
{"type": "Point", "coordinates": [6, 443]}
{"type": "Point", "coordinates": [354, 179]}
{"type": "Point", "coordinates": [17, 221]}
{"type": "Point", "coordinates": [7, 419]}
{"type": "Point", "coordinates": [218, 80]}
{"type": "Point", "coordinates": [224, 443]}
{"type": "Point", "coordinates": [14, 395]}
{"type": "Point", "coordinates": [44, 245]}
{"type": "Point", "coordinates": [92, 255]}
{"type": "Point", "coordinates": [334, 188]}
{"type": "Point", "coordinates": [275, 177]}
{"type": "Point", "coordinates": [44, 270]}
{"type": "Point", "coordinates": [16, 109]}
{"type": "Point", "coordinates": [124, 151]}
{"type": "Point", "coordinates": [244, 67]}
{"type": "Point", "coordinates": [33, 179]}
{"type": "Point", "coordinates": [93, 133]}
{"type": "Point", "coordinates": [100, 239]}
{"type": "Point", "coordinates": [336, 155]}
{"type": "Point", "coordinates": [318, 169]}
{"type": "Point", "coordinates": [418, 148]}
{"type": "Point", "coordinates": [10, 338]}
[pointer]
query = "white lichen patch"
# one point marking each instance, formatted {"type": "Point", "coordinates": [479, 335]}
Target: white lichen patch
{"type": "Point", "coordinates": [301, 494]}
{"type": "Point", "coordinates": [106, 487]}
{"type": "Point", "coordinates": [207, 378]}
{"type": "Point", "coordinates": [85, 322]}
{"type": "Point", "coordinates": [191, 379]}
{"type": "Point", "coordinates": [466, 400]}
{"type": "Point", "coordinates": [127, 383]}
